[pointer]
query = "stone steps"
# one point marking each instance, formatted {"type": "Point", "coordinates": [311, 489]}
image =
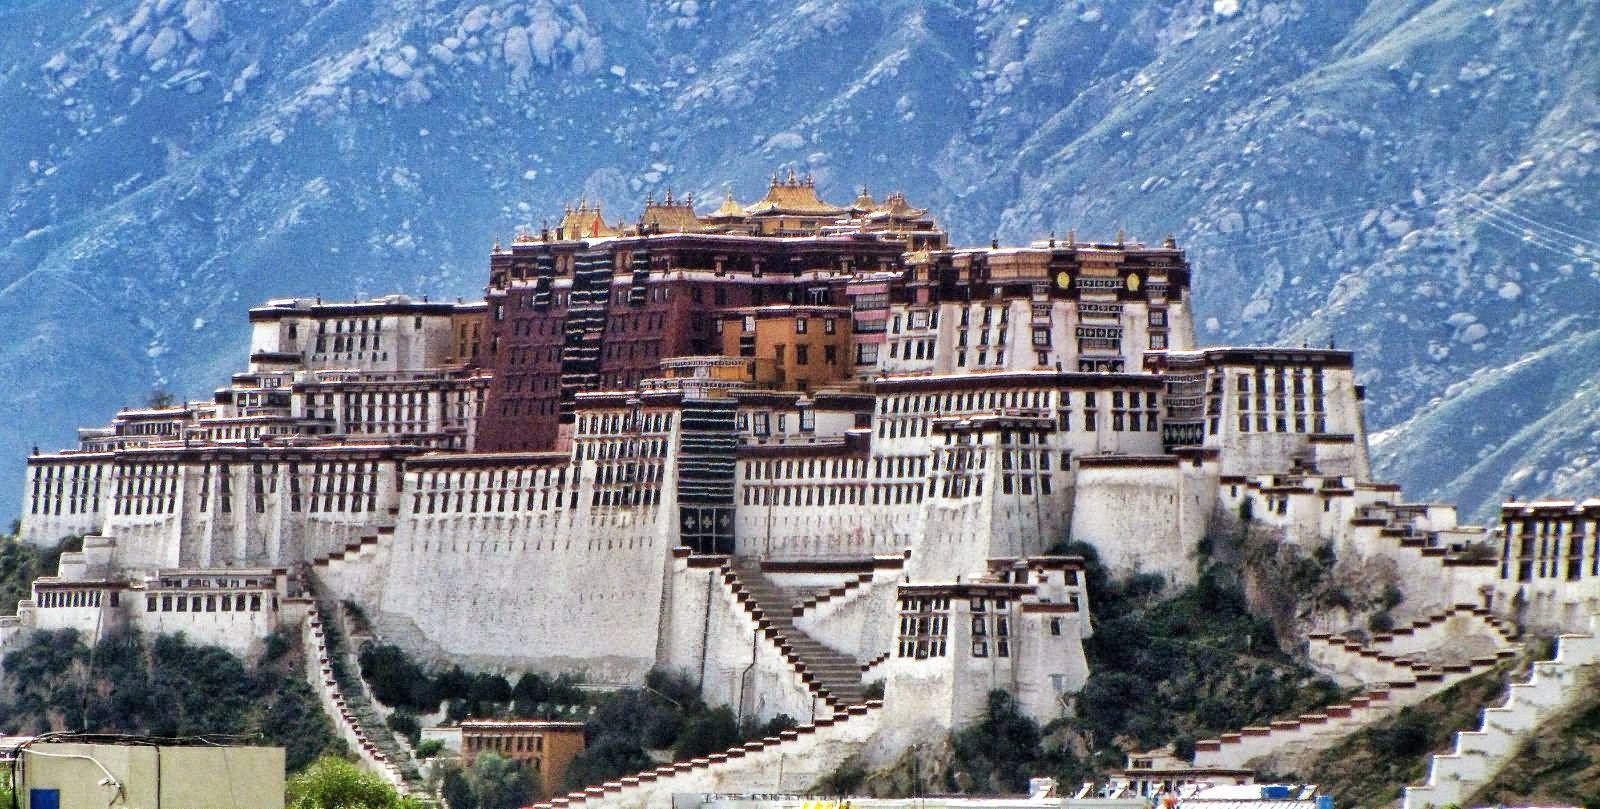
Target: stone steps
{"type": "Point", "coordinates": [347, 674]}
{"type": "Point", "coordinates": [1479, 754]}
{"type": "Point", "coordinates": [835, 676]}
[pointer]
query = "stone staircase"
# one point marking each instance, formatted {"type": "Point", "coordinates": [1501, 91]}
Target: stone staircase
{"type": "Point", "coordinates": [1406, 653]}
{"type": "Point", "coordinates": [358, 701]}
{"type": "Point", "coordinates": [836, 677]}
{"type": "Point", "coordinates": [1479, 754]}
{"type": "Point", "coordinates": [320, 674]}
{"type": "Point", "coordinates": [351, 551]}
{"type": "Point", "coordinates": [1311, 733]}
{"type": "Point", "coordinates": [791, 762]}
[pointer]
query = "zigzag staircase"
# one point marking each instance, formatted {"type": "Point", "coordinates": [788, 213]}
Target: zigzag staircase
{"type": "Point", "coordinates": [1401, 655]}
{"type": "Point", "coordinates": [832, 675]}
{"type": "Point", "coordinates": [1479, 754]}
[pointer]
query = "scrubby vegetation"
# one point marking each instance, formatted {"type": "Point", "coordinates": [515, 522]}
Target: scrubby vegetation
{"type": "Point", "coordinates": [21, 563]}
{"type": "Point", "coordinates": [492, 782]}
{"type": "Point", "coordinates": [1185, 666]}
{"type": "Point", "coordinates": [667, 714]}
{"type": "Point", "coordinates": [1165, 668]}
{"type": "Point", "coordinates": [163, 686]}
{"type": "Point", "coordinates": [400, 683]}
{"type": "Point", "coordinates": [333, 783]}
{"type": "Point", "coordinates": [622, 728]}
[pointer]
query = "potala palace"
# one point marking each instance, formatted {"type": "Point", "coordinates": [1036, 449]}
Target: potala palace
{"type": "Point", "coordinates": [794, 449]}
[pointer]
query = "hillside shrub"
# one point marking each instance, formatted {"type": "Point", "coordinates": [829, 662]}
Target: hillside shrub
{"type": "Point", "coordinates": [161, 686]}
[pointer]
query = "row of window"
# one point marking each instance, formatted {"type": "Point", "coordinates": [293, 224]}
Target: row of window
{"type": "Point", "coordinates": [1544, 556]}
{"type": "Point", "coordinates": [226, 602]}
{"type": "Point", "coordinates": [497, 501]}
{"type": "Point", "coordinates": [805, 469]}
{"type": "Point", "coordinates": [618, 422]}
{"type": "Point", "coordinates": [50, 599]}
{"type": "Point", "coordinates": [842, 494]}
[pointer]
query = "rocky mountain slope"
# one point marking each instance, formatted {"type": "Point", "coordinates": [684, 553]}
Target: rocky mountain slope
{"type": "Point", "coordinates": [1417, 179]}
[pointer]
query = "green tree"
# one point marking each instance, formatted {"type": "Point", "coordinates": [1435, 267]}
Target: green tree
{"type": "Point", "coordinates": [501, 783]}
{"type": "Point", "coordinates": [712, 732]}
{"type": "Point", "coordinates": [492, 782]}
{"type": "Point", "coordinates": [333, 783]}
{"type": "Point", "coordinates": [998, 752]}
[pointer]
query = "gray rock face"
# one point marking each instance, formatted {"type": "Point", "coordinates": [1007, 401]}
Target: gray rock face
{"type": "Point", "coordinates": [1415, 179]}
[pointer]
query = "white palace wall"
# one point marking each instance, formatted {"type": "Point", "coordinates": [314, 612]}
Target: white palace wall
{"type": "Point", "coordinates": [860, 621]}
{"type": "Point", "coordinates": [534, 585]}
{"type": "Point", "coordinates": [64, 495]}
{"type": "Point", "coordinates": [1144, 514]}
{"type": "Point", "coordinates": [709, 635]}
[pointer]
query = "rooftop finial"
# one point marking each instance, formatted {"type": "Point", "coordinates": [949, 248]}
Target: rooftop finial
{"type": "Point", "coordinates": [793, 180]}
{"type": "Point", "coordinates": [1052, 238]}
{"type": "Point", "coordinates": [1072, 237]}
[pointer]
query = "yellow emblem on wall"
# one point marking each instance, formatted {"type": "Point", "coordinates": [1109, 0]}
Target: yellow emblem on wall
{"type": "Point", "coordinates": [1133, 282]}
{"type": "Point", "coordinates": [1063, 280]}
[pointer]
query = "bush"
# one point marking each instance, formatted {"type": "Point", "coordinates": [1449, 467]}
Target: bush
{"type": "Point", "coordinates": [999, 753]}
{"type": "Point", "coordinates": [711, 732]}
{"type": "Point", "coordinates": [846, 780]}
{"type": "Point", "coordinates": [406, 725]}
{"type": "Point", "coordinates": [430, 748]}
{"type": "Point", "coordinates": [396, 681]}
{"type": "Point", "coordinates": [333, 783]}
{"type": "Point", "coordinates": [162, 687]}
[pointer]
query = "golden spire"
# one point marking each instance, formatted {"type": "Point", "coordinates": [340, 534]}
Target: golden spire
{"type": "Point", "coordinates": [730, 207]}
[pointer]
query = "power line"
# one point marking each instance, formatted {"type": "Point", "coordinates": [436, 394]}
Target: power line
{"type": "Point", "coordinates": [1484, 201]}
{"type": "Point", "coordinates": [1530, 237]}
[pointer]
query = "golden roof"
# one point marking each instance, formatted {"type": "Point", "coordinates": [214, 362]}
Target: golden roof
{"type": "Point", "coordinates": [896, 208]}
{"type": "Point", "coordinates": [670, 215]}
{"type": "Point", "coordinates": [793, 196]}
{"type": "Point", "coordinates": [864, 202]}
{"type": "Point", "coordinates": [585, 222]}
{"type": "Point", "coordinates": [731, 209]}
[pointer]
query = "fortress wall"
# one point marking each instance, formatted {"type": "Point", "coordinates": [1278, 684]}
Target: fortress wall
{"type": "Point", "coordinates": [238, 632]}
{"type": "Point", "coordinates": [746, 669]}
{"type": "Point", "coordinates": [1132, 511]}
{"type": "Point", "coordinates": [356, 575]}
{"type": "Point", "coordinates": [535, 591]}
{"type": "Point", "coordinates": [814, 506]}
{"type": "Point", "coordinates": [525, 571]}
{"type": "Point", "coordinates": [686, 614]}
{"type": "Point", "coordinates": [945, 548]}
{"type": "Point", "coordinates": [227, 514]}
{"type": "Point", "coordinates": [719, 643]}
{"type": "Point", "coordinates": [1048, 665]}
{"type": "Point", "coordinates": [64, 495]}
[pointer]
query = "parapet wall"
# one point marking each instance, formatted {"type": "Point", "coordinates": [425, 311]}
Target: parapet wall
{"type": "Point", "coordinates": [792, 762]}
